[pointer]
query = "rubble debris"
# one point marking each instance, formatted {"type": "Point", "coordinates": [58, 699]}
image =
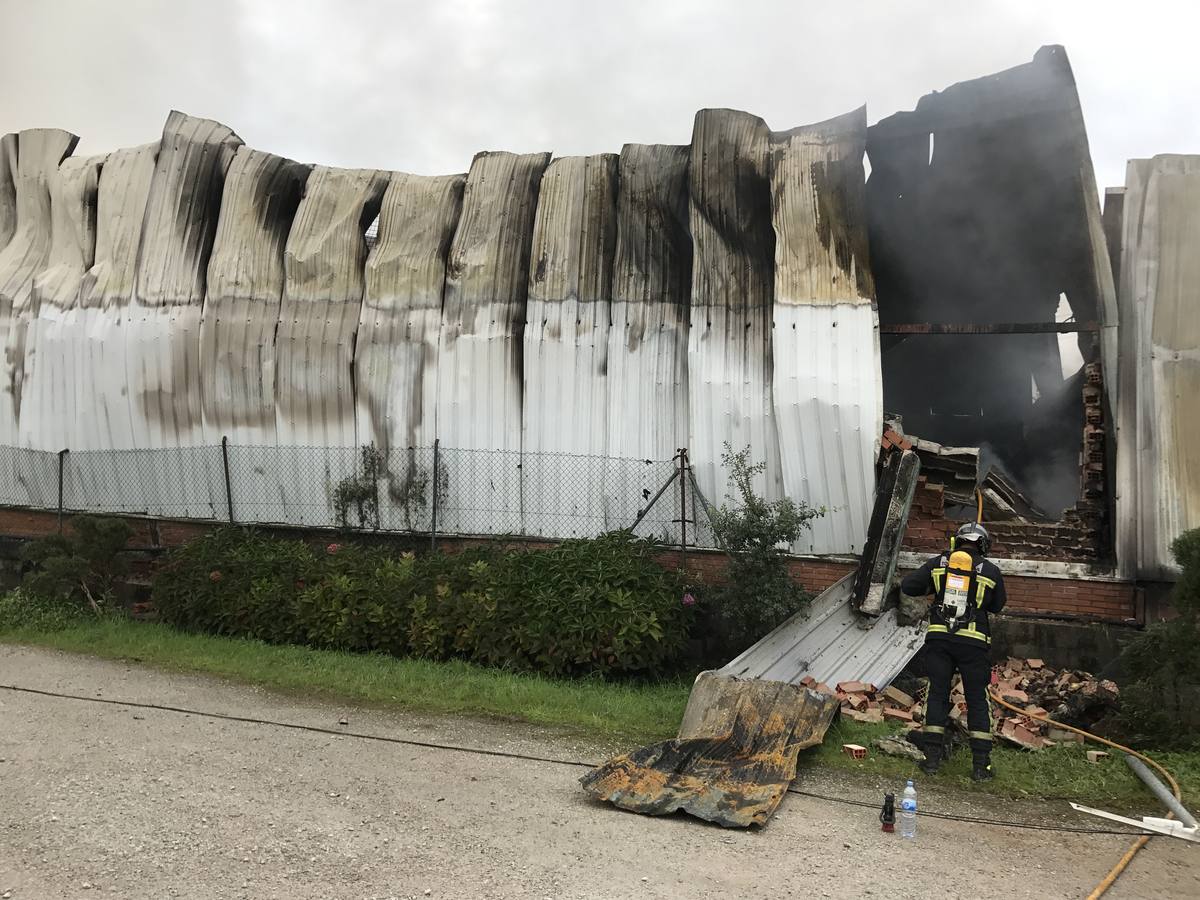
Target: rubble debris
{"type": "Point", "coordinates": [1069, 697]}
{"type": "Point", "coordinates": [959, 470]}
{"type": "Point", "coordinates": [899, 745]}
{"type": "Point", "coordinates": [855, 751]}
{"type": "Point", "coordinates": [1095, 756]}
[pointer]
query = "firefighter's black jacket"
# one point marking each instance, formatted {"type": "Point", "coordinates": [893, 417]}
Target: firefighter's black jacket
{"type": "Point", "coordinates": [988, 596]}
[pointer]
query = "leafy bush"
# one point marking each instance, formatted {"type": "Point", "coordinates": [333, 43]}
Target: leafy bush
{"type": "Point", "coordinates": [238, 583]}
{"type": "Point", "coordinates": [758, 593]}
{"type": "Point", "coordinates": [79, 568]}
{"type": "Point", "coordinates": [1161, 664]}
{"type": "Point", "coordinates": [596, 606]}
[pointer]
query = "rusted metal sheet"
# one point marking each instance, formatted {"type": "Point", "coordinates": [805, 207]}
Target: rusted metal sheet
{"type": "Point", "coordinates": [479, 363]}
{"type": "Point", "coordinates": [39, 152]}
{"type": "Point", "coordinates": [1158, 468]}
{"type": "Point", "coordinates": [826, 390]}
{"type": "Point", "coordinates": [565, 360]}
{"type": "Point", "coordinates": [733, 760]}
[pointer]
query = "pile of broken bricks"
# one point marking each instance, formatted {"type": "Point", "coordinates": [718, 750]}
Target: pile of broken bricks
{"type": "Point", "coordinates": [1070, 697]}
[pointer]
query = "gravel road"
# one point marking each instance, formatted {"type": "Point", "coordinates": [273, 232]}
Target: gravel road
{"type": "Point", "coordinates": [101, 800]}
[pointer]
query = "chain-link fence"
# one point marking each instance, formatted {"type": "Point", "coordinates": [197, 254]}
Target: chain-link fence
{"type": "Point", "coordinates": [415, 490]}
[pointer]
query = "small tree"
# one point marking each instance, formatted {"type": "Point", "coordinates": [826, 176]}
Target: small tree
{"type": "Point", "coordinates": [759, 593]}
{"type": "Point", "coordinates": [359, 493]}
{"type": "Point", "coordinates": [78, 568]}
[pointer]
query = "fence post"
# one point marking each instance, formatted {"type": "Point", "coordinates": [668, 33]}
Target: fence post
{"type": "Point", "coordinates": [62, 458]}
{"type": "Point", "coordinates": [434, 502]}
{"type": "Point", "coordinates": [228, 485]}
{"type": "Point", "coordinates": [683, 470]}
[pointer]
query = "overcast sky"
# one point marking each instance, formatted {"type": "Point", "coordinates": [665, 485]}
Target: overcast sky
{"type": "Point", "coordinates": [421, 86]}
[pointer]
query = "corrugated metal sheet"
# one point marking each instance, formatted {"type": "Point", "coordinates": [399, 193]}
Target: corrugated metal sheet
{"type": "Point", "coordinates": [1158, 487]}
{"type": "Point", "coordinates": [243, 294]}
{"type": "Point", "coordinates": [729, 345]}
{"type": "Point", "coordinates": [479, 364]}
{"type": "Point", "coordinates": [648, 337]}
{"type": "Point", "coordinates": [161, 326]}
{"type": "Point", "coordinates": [826, 382]}
{"type": "Point", "coordinates": [54, 347]}
{"type": "Point", "coordinates": [832, 643]}
{"type": "Point", "coordinates": [8, 188]}
{"type": "Point", "coordinates": [39, 152]}
{"type": "Point", "coordinates": [396, 353]}
{"type": "Point", "coordinates": [565, 360]}
{"type": "Point", "coordinates": [318, 317]}
{"type": "Point", "coordinates": [105, 415]}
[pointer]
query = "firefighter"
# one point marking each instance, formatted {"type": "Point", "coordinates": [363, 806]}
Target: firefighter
{"type": "Point", "coordinates": [966, 588]}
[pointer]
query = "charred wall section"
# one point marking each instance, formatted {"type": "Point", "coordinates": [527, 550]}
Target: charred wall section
{"type": "Point", "coordinates": [982, 210]}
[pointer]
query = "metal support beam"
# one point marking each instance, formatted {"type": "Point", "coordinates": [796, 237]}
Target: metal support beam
{"type": "Point", "coordinates": [994, 328]}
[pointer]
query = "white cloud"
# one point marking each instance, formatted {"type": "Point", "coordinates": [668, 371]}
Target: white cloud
{"type": "Point", "coordinates": [422, 86]}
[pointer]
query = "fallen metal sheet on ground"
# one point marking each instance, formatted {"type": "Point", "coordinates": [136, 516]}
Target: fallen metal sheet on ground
{"type": "Point", "coordinates": [734, 758]}
{"type": "Point", "coordinates": [832, 643]}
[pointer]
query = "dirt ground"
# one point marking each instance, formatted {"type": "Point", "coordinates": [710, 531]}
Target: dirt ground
{"type": "Point", "coordinates": [103, 800]}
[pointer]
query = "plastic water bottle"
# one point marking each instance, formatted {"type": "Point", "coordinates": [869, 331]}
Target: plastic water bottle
{"type": "Point", "coordinates": [908, 812]}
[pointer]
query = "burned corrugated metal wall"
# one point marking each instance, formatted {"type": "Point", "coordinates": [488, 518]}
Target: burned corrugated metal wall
{"type": "Point", "coordinates": [983, 209]}
{"type": "Point", "coordinates": [1158, 468]}
{"type": "Point", "coordinates": [610, 307]}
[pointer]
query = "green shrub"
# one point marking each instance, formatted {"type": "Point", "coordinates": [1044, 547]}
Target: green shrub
{"type": "Point", "coordinates": [602, 605]}
{"type": "Point", "coordinates": [1161, 664]}
{"type": "Point", "coordinates": [594, 606]}
{"type": "Point", "coordinates": [81, 567]}
{"type": "Point", "coordinates": [758, 592]}
{"type": "Point", "coordinates": [237, 583]}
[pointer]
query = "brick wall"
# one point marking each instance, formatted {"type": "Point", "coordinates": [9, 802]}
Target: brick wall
{"type": "Point", "coordinates": [1102, 600]}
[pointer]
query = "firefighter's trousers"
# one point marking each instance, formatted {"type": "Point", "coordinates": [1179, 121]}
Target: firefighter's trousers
{"type": "Point", "coordinates": [942, 657]}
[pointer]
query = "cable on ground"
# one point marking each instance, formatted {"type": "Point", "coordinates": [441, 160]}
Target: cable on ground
{"type": "Point", "coordinates": [504, 754]}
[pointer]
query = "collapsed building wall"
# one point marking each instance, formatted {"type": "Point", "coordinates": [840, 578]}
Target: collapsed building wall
{"type": "Point", "coordinates": [983, 211]}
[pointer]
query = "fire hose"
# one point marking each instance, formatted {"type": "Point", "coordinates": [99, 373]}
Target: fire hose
{"type": "Point", "coordinates": [1114, 873]}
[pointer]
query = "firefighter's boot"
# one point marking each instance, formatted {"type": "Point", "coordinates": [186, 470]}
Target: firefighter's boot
{"type": "Point", "coordinates": [935, 754]}
{"type": "Point", "coordinates": [981, 767]}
